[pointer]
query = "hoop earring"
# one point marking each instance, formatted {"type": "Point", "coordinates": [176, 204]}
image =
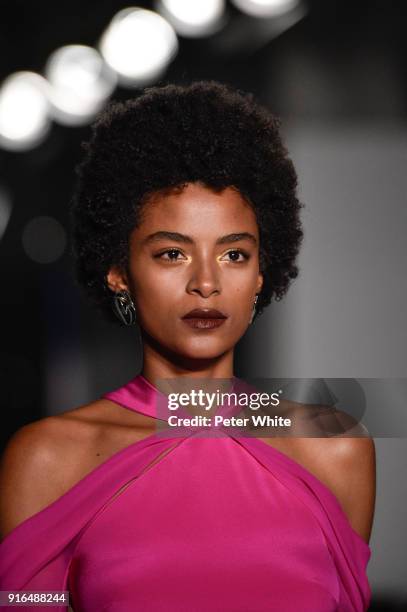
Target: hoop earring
{"type": "Point", "coordinates": [124, 308]}
{"type": "Point", "coordinates": [254, 310]}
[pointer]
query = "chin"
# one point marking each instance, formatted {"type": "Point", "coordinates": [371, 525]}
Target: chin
{"type": "Point", "coordinates": [196, 354]}
{"type": "Point", "coordinates": [201, 350]}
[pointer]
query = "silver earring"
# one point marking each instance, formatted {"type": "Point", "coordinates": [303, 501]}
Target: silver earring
{"type": "Point", "coordinates": [254, 309]}
{"type": "Point", "coordinates": [124, 308]}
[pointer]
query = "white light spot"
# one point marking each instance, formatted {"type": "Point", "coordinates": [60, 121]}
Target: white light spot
{"type": "Point", "coordinates": [80, 82]}
{"type": "Point", "coordinates": [138, 44]}
{"type": "Point", "coordinates": [24, 111]}
{"type": "Point", "coordinates": [265, 8]}
{"type": "Point", "coordinates": [197, 18]}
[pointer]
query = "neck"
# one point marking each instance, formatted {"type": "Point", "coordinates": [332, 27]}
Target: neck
{"type": "Point", "coordinates": [159, 362]}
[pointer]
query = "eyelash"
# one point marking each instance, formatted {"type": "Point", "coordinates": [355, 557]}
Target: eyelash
{"type": "Point", "coordinates": [159, 255]}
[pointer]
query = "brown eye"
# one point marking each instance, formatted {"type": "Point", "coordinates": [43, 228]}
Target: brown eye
{"type": "Point", "coordinates": [238, 256]}
{"type": "Point", "coordinates": [172, 255]}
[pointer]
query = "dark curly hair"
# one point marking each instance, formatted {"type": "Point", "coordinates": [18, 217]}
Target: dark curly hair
{"type": "Point", "coordinates": [169, 136]}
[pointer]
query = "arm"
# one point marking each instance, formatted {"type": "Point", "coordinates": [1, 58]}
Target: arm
{"type": "Point", "coordinates": [353, 480]}
{"type": "Point", "coordinates": [26, 473]}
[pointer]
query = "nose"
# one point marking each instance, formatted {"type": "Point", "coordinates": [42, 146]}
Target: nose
{"type": "Point", "coordinates": [204, 278]}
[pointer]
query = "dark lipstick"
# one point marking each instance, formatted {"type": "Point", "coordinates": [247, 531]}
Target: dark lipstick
{"type": "Point", "coordinates": [204, 318]}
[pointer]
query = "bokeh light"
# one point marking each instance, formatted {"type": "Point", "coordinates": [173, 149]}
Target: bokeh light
{"type": "Point", "coordinates": [138, 44]}
{"type": "Point", "coordinates": [193, 19]}
{"type": "Point", "coordinates": [80, 82]}
{"type": "Point", "coordinates": [24, 111]}
{"type": "Point", "coordinates": [44, 239]}
{"type": "Point", "coordinates": [265, 8]}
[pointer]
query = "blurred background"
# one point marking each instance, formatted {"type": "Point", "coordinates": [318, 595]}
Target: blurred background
{"type": "Point", "coordinates": [335, 73]}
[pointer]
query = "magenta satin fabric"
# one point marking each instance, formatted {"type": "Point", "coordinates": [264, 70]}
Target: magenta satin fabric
{"type": "Point", "coordinates": [219, 523]}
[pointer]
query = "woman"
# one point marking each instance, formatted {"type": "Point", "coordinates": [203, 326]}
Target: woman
{"type": "Point", "coordinates": [186, 222]}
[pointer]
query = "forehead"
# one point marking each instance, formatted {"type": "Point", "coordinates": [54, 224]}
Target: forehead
{"type": "Point", "coordinates": [197, 209]}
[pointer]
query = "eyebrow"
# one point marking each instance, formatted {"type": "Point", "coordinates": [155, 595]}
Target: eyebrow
{"type": "Point", "coordinates": [177, 237]}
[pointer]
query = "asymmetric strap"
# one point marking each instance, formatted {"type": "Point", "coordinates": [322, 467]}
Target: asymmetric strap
{"type": "Point", "coordinates": [138, 395]}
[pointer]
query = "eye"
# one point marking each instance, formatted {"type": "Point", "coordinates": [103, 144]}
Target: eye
{"type": "Point", "coordinates": [171, 253]}
{"type": "Point", "coordinates": [172, 256]}
{"type": "Point", "coordinates": [236, 253]}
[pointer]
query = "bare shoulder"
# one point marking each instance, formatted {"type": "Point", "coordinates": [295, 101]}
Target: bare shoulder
{"type": "Point", "coordinates": [339, 451]}
{"type": "Point", "coordinates": [43, 459]}
{"type": "Point", "coordinates": [347, 466]}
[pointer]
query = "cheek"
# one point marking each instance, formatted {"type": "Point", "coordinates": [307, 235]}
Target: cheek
{"type": "Point", "coordinates": [158, 293]}
{"type": "Point", "coordinates": [157, 299]}
{"type": "Point", "coordinates": [240, 292]}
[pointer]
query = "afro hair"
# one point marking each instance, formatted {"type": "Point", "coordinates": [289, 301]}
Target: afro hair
{"type": "Point", "coordinates": [168, 136]}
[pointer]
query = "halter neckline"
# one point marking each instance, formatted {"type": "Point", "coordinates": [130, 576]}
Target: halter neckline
{"type": "Point", "coordinates": [140, 395]}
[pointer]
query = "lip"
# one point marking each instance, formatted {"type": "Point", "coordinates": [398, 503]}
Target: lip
{"type": "Point", "coordinates": [204, 318]}
{"type": "Point", "coordinates": [208, 323]}
{"type": "Point", "coordinates": [204, 313]}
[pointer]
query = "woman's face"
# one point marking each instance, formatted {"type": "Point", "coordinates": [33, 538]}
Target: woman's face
{"type": "Point", "coordinates": [193, 249]}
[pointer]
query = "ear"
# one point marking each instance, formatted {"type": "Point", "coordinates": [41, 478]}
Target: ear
{"type": "Point", "coordinates": [116, 279]}
{"type": "Point", "coordinates": [259, 283]}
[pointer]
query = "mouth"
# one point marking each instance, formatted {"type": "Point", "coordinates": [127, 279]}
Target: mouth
{"type": "Point", "coordinates": [204, 318]}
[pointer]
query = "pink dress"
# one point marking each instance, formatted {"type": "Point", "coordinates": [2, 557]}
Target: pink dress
{"type": "Point", "coordinates": [218, 523]}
